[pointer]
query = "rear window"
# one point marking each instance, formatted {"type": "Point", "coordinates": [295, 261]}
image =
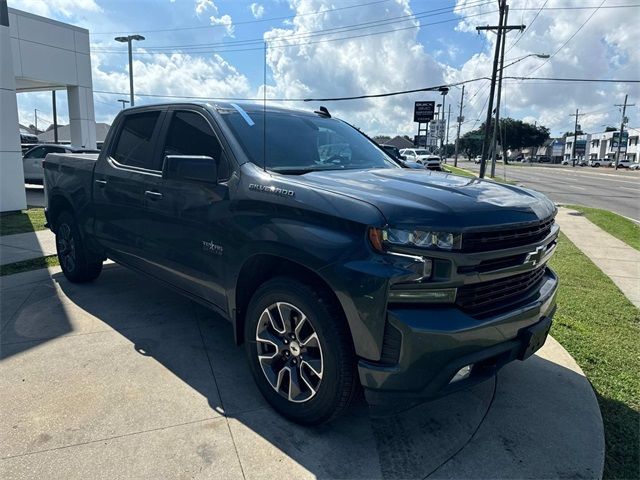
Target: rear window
{"type": "Point", "coordinates": [135, 142]}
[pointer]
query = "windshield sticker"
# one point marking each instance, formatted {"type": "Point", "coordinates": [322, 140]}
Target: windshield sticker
{"type": "Point", "coordinates": [244, 114]}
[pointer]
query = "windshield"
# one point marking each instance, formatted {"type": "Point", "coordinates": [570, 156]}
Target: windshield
{"type": "Point", "coordinates": [422, 152]}
{"type": "Point", "coordinates": [302, 143]}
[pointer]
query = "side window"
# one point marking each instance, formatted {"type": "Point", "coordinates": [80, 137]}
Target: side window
{"type": "Point", "coordinates": [190, 134]}
{"type": "Point", "coordinates": [135, 143]}
{"type": "Point", "coordinates": [36, 153]}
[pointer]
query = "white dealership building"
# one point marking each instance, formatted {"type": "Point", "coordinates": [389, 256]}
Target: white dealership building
{"type": "Point", "coordinates": [39, 54]}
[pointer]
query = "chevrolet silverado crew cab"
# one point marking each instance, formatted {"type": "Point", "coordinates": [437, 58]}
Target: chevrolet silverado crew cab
{"type": "Point", "coordinates": [336, 267]}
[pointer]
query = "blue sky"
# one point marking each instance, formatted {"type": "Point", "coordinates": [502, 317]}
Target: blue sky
{"type": "Point", "coordinates": [400, 44]}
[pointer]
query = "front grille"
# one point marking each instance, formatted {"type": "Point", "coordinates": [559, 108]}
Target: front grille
{"type": "Point", "coordinates": [481, 299]}
{"type": "Point", "coordinates": [506, 238]}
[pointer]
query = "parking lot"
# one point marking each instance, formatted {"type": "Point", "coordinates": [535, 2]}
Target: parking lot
{"type": "Point", "coordinates": [122, 378]}
{"type": "Point", "coordinates": [606, 188]}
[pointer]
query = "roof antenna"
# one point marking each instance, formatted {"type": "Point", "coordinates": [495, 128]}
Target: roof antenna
{"type": "Point", "coordinates": [323, 112]}
{"type": "Point", "coordinates": [264, 110]}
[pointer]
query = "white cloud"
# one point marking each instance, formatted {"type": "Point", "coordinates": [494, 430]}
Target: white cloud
{"type": "Point", "coordinates": [371, 64]}
{"type": "Point", "coordinates": [257, 10]}
{"type": "Point", "coordinates": [204, 5]}
{"type": "Point", "coordinates": [226, 21]}
{"type": "Point", "coordinates": [597, 51]}
{"type": "Point", "coordinates": [67, 8]}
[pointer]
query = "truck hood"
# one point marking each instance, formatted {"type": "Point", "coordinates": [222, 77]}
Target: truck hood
{"type": "Point", "coordinates": [426, 198]}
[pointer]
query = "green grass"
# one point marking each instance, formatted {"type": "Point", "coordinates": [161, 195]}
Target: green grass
{"type": "Point", "coordinates": [601, 329]}
{"type": "Point", "coordinates": [459, 171]}
{"type": "Point", "coordinates": [29, 220]}
{"type": "Point", "coordinates": [620, 227]}
{"type": "Point", "coordinates": [26, 265]}
{"type": "Point", "coordinates": [463, 172]}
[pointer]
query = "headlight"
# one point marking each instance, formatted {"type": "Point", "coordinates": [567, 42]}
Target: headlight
{"type": "Point", "coordinates": [420, 238]}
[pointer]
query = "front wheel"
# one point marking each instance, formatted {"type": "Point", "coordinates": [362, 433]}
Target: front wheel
{"type": "Point", "coordinates": [77, 263]}
{"type": "Point", "coordinates": [300, 351]}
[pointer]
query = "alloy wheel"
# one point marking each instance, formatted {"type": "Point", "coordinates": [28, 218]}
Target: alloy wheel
{"type": "Point", "coordinates": [289, 352]}
{"type": "Point", "coordinates": [66, 247]}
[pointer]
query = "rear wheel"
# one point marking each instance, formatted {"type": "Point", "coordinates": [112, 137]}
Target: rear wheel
{"type": "Point", "coordinates": [300, 351]}
{"type": "Point", "coordinates": [78, 265]}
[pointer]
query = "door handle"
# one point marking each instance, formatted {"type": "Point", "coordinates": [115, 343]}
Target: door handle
{"type": "Point", "coordinates": [101, 183]}
{"type": "Point", "coordinates": [153, 195]}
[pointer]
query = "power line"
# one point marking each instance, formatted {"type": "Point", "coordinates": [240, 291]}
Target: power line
{"type": "Point", "coordinates": [570, 38]}
{"type": "Point", "coordinates": [246, 22]}
{"type": "Point", "coordinates": [531, 23]}
{"type": "Point", "coordinates": [301, 43]}
{"type": "Point", "coordinates": [224, 46]}
{"type": "Point", "coordinates": [364, 96]}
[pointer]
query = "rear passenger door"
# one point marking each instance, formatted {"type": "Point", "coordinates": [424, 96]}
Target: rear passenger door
{"type": "Point", "coordinates": [187, 222]}
{"type": "Point", "coordinates": [120, 178]}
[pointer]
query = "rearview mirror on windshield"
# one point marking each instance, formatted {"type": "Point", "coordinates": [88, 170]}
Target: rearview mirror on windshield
{"type": "Point", "coordinates": [190, 168]}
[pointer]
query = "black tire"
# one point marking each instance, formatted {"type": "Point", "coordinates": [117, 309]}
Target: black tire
{"type": "Point", "coordinates": [336, 388]}
{"type": "Point", "coordinates": [78, 265]}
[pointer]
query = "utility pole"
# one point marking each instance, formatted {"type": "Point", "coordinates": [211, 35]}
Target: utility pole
{"type": "Point", "coordinates": [446, 142]}
{"type": "Point", "coordinates": [575, 137]}
{"type": "Point", "coordinates": [497, 124]}
{"type": "Point", "coordinates": [55, 116]}
{"type": "Point", "coordinates": [622, 122]}
{"type": "Point", "coordinates": [460, 120]}
{"type": "Point", "coordinates": [35, 119]}
{"type": "Point", "coordinates": [501, 29]}
{"type": "Point", "coordinates": [123, 102]}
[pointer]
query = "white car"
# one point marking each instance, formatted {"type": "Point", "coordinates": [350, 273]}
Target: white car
{"type": "Point", "coordinates": [33, 158]}
{"type": "Point", "coordinates": [635, 166]}
{"type": "Point", "coordinates": [415, 154]}
{"type": "Point", "coordinates": [600, 162]}
{"type": "Point", "coordinates": [623, 163]}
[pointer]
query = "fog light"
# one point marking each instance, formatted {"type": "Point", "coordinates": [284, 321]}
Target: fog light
{"type": "Point", "coordinates": [462, 374]}
{"type": "Point", "coordinates": [443, 295]}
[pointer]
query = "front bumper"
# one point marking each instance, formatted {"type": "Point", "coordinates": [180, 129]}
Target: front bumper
{"type": "Point", "coordinates": [436, 342]}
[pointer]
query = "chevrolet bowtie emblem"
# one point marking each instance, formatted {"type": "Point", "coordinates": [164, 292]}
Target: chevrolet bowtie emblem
{"type": "Point", "coordinates": [535, 257]}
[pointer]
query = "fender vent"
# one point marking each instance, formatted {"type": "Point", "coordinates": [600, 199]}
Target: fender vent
{"type": "Point", "coordinates": [391, 345]}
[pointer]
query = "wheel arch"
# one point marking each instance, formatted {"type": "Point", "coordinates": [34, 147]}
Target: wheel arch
{"type": "Point", "coordinates": [260, 268]}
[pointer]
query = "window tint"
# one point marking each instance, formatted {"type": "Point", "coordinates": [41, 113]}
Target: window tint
{"type": "Point", "coordinates": [56, 149]}
{"type": "Point", "coordinates": [190, 134]}
{"type": "Point", "coordinates": [135, 144]}
{"type": "Point", "coordinates": [36, 153]}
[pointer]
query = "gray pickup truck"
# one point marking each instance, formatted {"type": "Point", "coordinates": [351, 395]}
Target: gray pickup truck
{"type": "Point", "coordinates": [337, 268]}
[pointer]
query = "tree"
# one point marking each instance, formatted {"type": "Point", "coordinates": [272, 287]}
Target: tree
{"type": "Point", "coordinates": [611, 129]}
{"type": "Point", "coordinates": [470, 143]}
{"type": "Point", "coordinates": [380, 139]}
{"type": "Point", "coordinates": [517, 134]}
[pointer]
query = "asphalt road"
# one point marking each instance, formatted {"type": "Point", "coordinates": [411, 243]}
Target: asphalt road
{"type": "Point", "coordinates": [618, 191]}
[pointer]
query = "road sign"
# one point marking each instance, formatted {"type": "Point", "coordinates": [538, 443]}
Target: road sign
{"type": "Point", "coordinates": [423, 111]}
{"type": "Point", "coordinates": [616, 139]}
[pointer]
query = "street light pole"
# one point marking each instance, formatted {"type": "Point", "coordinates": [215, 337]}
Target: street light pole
{"type": "Point", "coordinates": [123, 102]}
{"type": "Point", "coordinates": [128, 39]}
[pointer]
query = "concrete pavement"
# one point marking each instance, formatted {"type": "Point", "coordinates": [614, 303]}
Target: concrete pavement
{"type": "Point", "coordinates": [25, 246]}
{"type": "Point", "coordinates": [122, 378]}
{"type": "Point", "coordinates": [619, 261]}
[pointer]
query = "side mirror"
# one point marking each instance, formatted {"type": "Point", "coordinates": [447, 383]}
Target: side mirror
{"type": "Point", "coordinates": [190, 168]}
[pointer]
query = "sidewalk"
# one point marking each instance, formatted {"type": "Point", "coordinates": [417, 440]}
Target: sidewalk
{"type": "Point", "coordinates": [25, 246]}
{"type": "Point", "coordinates": [616, 259]}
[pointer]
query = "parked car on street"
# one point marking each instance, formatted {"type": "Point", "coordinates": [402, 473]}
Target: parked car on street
{"type": "Point", "coordinates": [335, 271]}
{"type": "Point", "coordinates": [415, 154]}
{"type": "Point", "coordinates": [544, 159]}
{"type": "Point", "coordinates": [600, 162]}
{"type": "Point", "coordinates": [394, 153]}
{"type": "Point", "coordinates": [33, 158]}
{"type": "Point", "coordinates": [622, 163]}
{"type": "Point", "coordinates": [634, 166]}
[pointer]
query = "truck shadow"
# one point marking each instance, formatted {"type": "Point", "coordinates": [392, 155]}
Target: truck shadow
{"type": "Point", "coordinates": [518, 420]}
